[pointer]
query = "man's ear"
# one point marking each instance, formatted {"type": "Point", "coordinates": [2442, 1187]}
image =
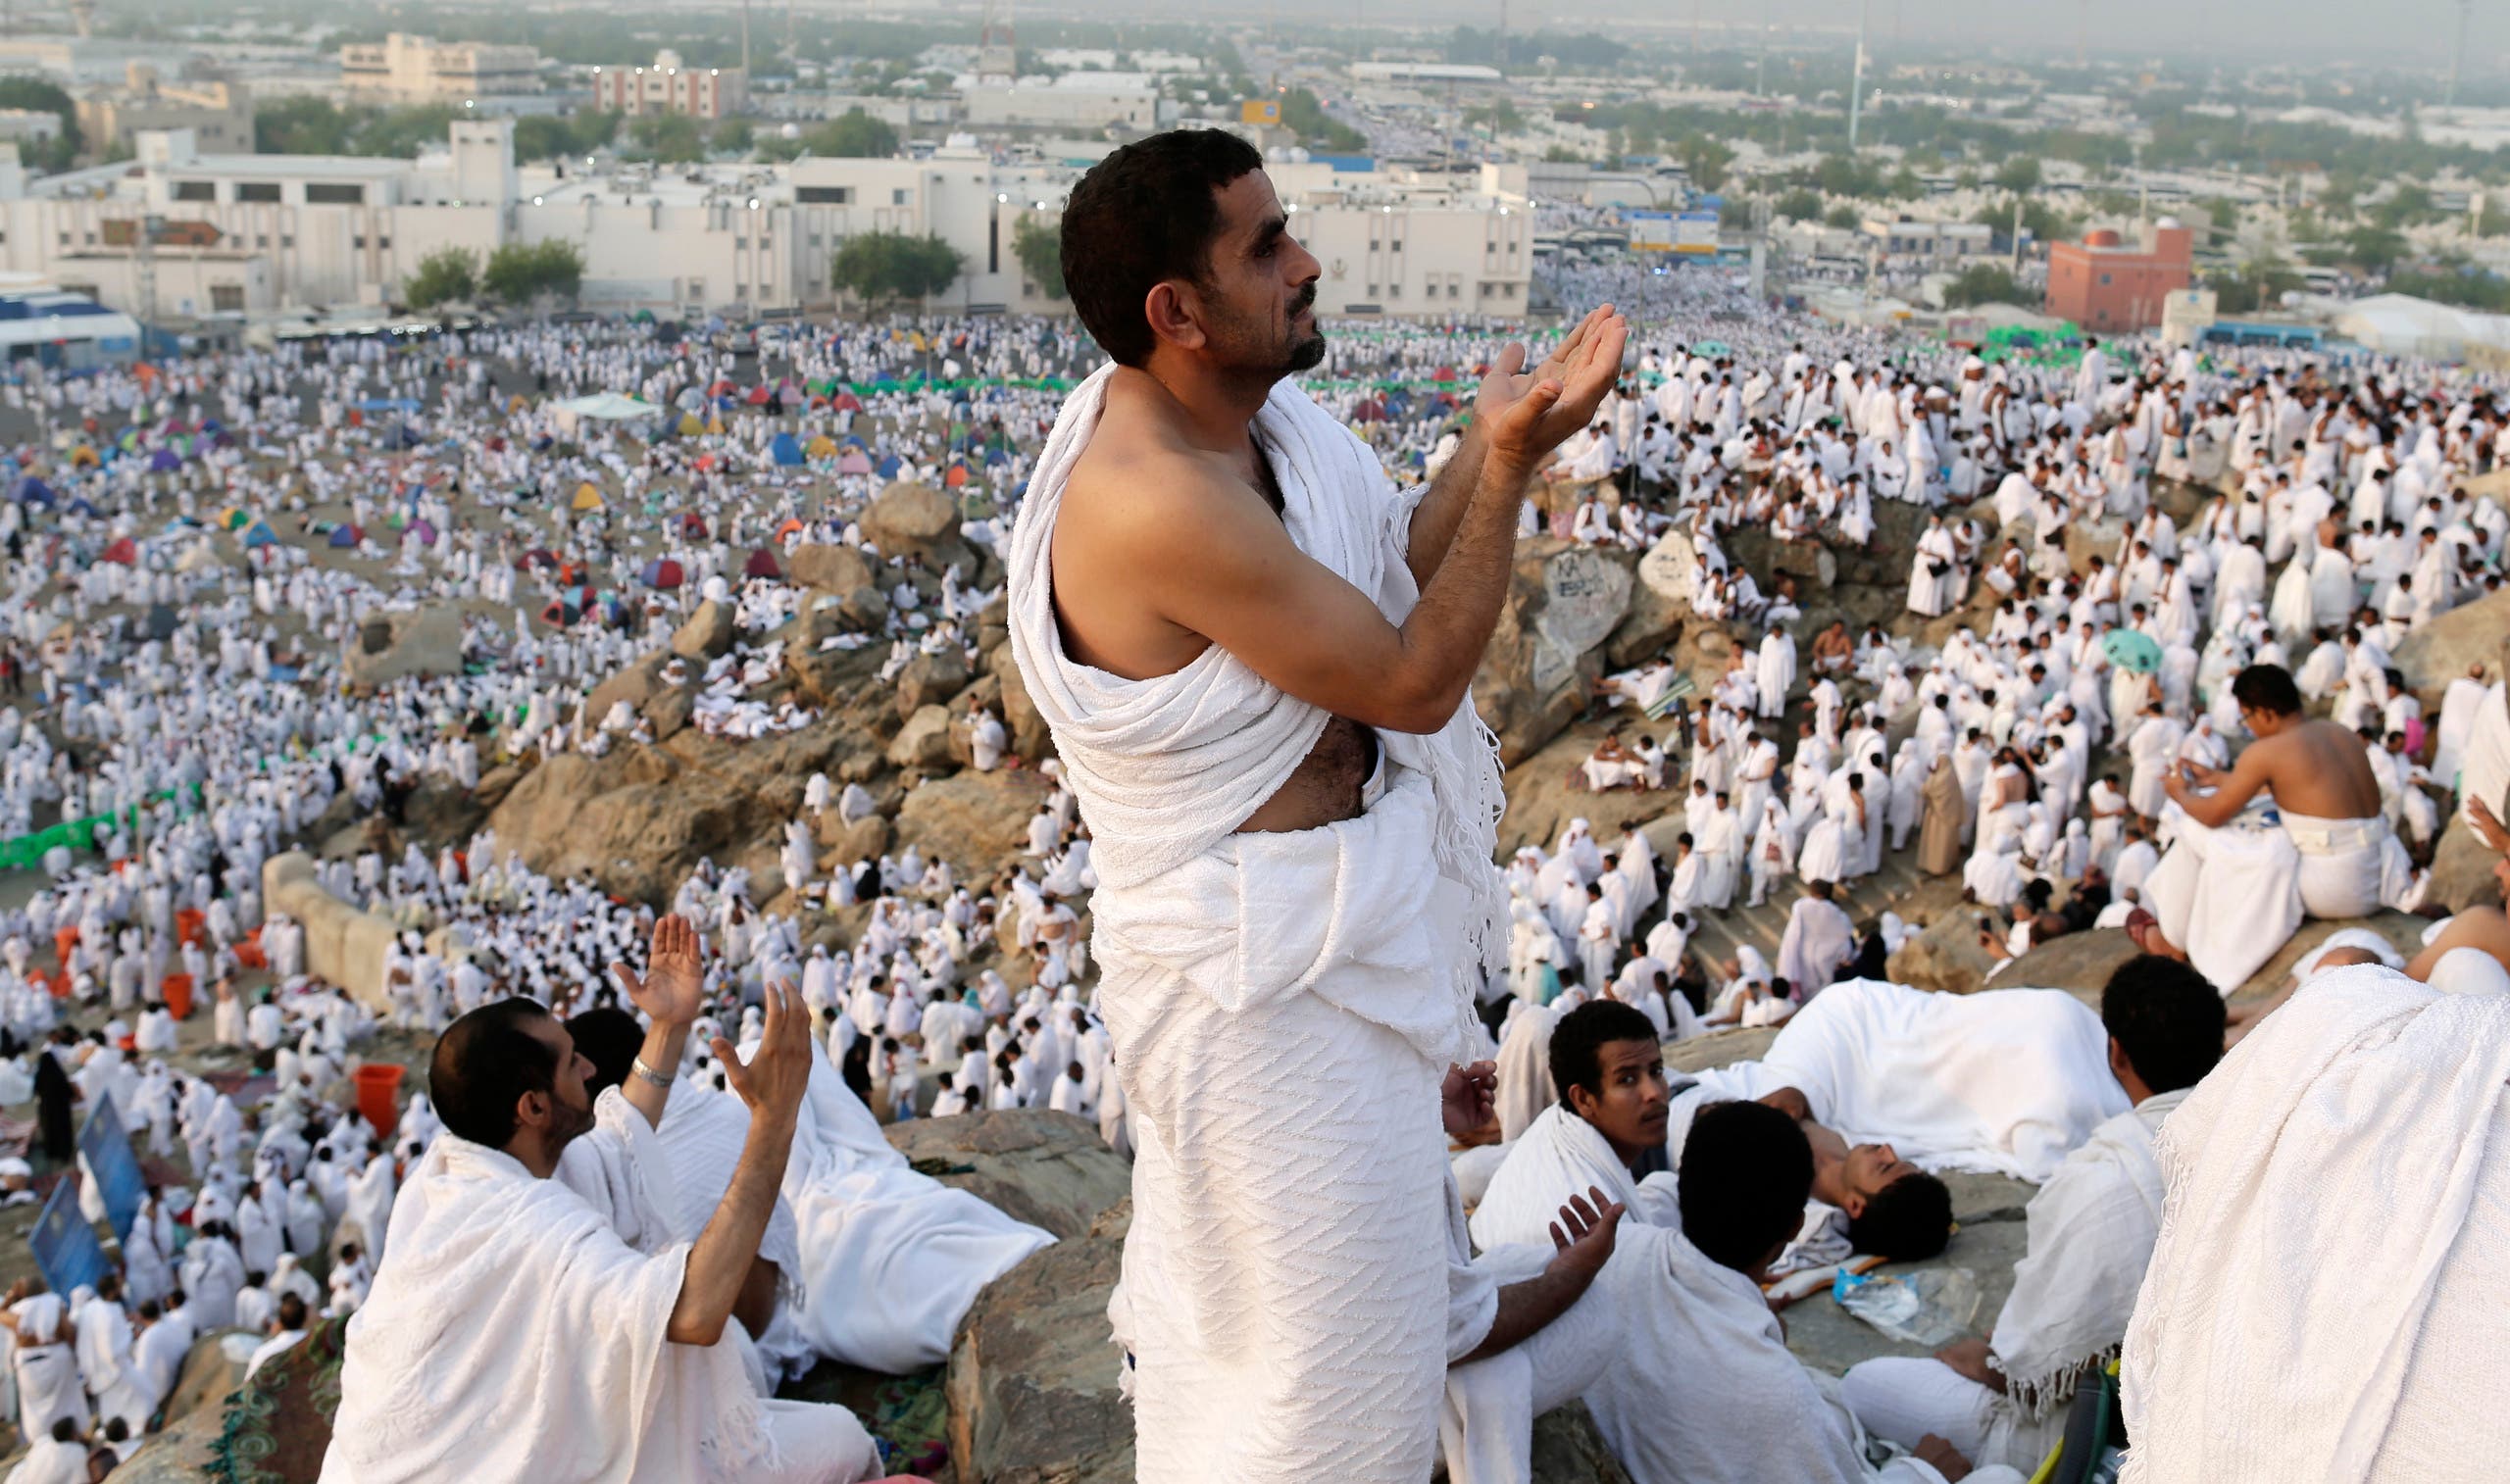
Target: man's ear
{"type": "Point", "coordinates": [1175, 314]}
{"type": "Point", "coordinates": [1854, 1205]}
{"type": "Point", "coordinates": [531, 1111]}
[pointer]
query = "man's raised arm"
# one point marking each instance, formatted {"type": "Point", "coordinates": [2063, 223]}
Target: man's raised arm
{"type": "Point", "coordinates": [1435, 519]}
{"type": "Point", "coordinates": [1229, 571]}
{"type": "Point", "coordinates": [772, 1083]}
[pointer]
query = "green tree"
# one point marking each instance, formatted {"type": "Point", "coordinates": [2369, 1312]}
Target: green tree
{"type": "Point", "coordinates": [853, 135]}
{"type": "Point", "coordinates": [1705, 159]}
{"type": "Point", "coordinates": [1985, 283]}
{"type": "Point", "coordinates": [1799, 205]}
{"type": "Point", "coordinates": [732, 136]}
{"type": "Point", "coordinates": [301, 127]}
{"type": "Point", "coordinates": [670, 138]}
{"type": "Point", "coordinates": [447, 276]}
{"type": "Point", "coordinates": [398, 133]}
{"type": "Point", "coordinates": [1843, 217]}
{"type": "Point", "coordinates": [2375, 249]}
{"type": "Point", "coordinates": [2019, 174]}
{"type": "Point", "coordinates": [1305, 117]}
{"type": "Point", "coordinates": [38, 96]}
{"type": "Point", "coordinates": [543, 137]}
{"type": "Point", "coordinates": [2256, 284]}
{"type": "Point", "coordinates": [885, 268]}
{"type": "Point", "coordinates": [1040, 249]}
{"type": "Point", "coordinates": [524, 274]}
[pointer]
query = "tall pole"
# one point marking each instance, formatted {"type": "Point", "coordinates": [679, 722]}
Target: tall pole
{"type": "Point", "coordinates": [744, 38]}
{"type": "Point", "coordinates": [2457, 56]}
{"type": "Point", "coordinates": [1856, 81]}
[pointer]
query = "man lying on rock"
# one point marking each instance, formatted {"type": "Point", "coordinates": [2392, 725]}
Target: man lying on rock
{"type": "Point", "coordinates": [2091, 1229]}
{"type": "Point", "coordinates": [1703, 1389]}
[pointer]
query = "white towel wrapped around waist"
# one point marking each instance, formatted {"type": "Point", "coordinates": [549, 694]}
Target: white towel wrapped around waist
{"type": "Point", "coordinates": [1166, 768]}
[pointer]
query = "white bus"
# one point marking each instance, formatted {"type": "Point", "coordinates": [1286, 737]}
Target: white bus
{"type": "Point", "coordinates": [63, 332]}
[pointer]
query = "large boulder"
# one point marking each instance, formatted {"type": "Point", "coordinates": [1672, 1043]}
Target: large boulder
{"type": "Point", "coordinates": [2450, 645]}
{"type": "Point", "coordinates": [1564, 600]}
{"type": "Point", "coordinates": [343, 944]}
{"type": "Point", "coordinates": [1945, 955]}
{"type": "Point", "coordinates": [1049, 1169]}
{"type": "Point", "coordinates": [1029, 736]}
{"type": "Point", "coordinates": [707, 633]}
{"type": "Point", "coordinates": [635, 684]}
{"type": "Point", "coordinates": [974, 821]}
{"type": "Point", "coordinates": [389, 646]}
{"type": "Point", "coordinates": [2462, 870]}
{"type": "Point", "coordinates": [924, 742]}
{"type": "Point", "coordinates": [908, 517]}
{"type": "Point", "coordinates": [930, 680]}
{"type": "Point", "coordinates": [1033, 1374]}
{"type": "Point", "coordinates": [831, 569]}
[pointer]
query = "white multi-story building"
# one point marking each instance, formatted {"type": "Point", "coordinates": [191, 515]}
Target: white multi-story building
{"type": "Point", "coordinates": [407, 69]}
{"type": "Point", "coordinates": [258, 234]}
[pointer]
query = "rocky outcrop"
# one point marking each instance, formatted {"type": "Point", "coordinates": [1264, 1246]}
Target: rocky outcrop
{"type": "Point", "coordinates": [1049, 1169]}
{"type": "Point", "coordinates": [924, 742]}
{"type": "Point", "coordinates": [1564, 600]}
{"type": "Point", "coordinates": [638, 818]}
{"type": "Point", "coordinates": [1029, 737]}
{"type": "Point", "coordinates": [342, 943]}
{"type": "Point", "coordinates": [395, 646]}
{"type": "Point", "coordinates": [1033, 1374]}
{"type": "Point", "coordinates": [706, 633]}
{"type": "Point", "coordinates": [974, 821]}
{"type": "Point", "coordinates": [2450, 645]}
{"type": "Point", "coordinates": [830, 568]}
{"type": "Point", "coordinates": [2462, 872]}
{"type": "Point", "coordinates": [1945, 955]}
{"type": "Point", "coordinates": [915, 519]}
{"type": "Point", "coordinates": [930, 680]}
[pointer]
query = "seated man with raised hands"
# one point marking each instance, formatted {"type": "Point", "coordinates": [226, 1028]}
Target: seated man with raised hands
{"type": "Point", "coordinates": [2091, 1229]}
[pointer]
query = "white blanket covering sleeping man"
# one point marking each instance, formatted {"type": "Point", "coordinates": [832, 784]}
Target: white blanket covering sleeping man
{"type": "Point", "coordinates": [2091, 1230]}
{"type": "Point", "coordinates": [1702, 1390]}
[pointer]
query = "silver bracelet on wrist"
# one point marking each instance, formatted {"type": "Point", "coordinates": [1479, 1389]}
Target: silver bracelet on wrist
{"type": "Point", "coordinates": [639, 1067]}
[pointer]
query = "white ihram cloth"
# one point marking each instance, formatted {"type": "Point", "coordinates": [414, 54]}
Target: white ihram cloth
{"type": "Point", "coordinates": [2092, 1231]}
{"type": "Point", "coordinates": [2325, 1299]}
{"type": "Point", "coordinates": [1283, 1005]}
{"type": "Point", "coordinates": [2231, 896]}
{"type": "Point", "coordinates": [514, 1333]}
{"type": "Point", "coordinates": [891, 1259]}
{"type": "Point", "coordinates": [2006, 1081]}
{"type": "Point", "coordinates": [1702, 1389]}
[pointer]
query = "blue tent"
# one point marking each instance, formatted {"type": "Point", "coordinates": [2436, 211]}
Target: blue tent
{"type": "Point", "coordinates": [165, 459]}
{"type": "Point", "coordinates": [82, 506]}
{"type": "Point", "coordinates": [786, 450]}
{"type": "Point", "coordinates": [344, 536]}
{"type": "Point", "coordinates": [888, 469]}
{"type": "Point", "coordinates": [33, 491]}
{"type": "Point", "coordinates": [259, 534]}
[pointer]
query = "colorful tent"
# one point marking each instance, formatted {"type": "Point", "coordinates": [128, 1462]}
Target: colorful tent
{"type": "Point", "coordinates": [124, 550]}
{"type": "Point", "coordinates": [259, 535]}
{"type": "Point", "coordinates": [33, 491]}
{"type": "Point", "coordinates": [538, 555]}
{"type": "Point", "coordinates": [853, 462]}
{"type": "Point", "coordinates": [424, 530]}
{"type": "Point", "coordinates": [587, 497]}
{"type": "Point", "coordinates": [661, 572]}
{"type": "Point", "coordinates": [785, 450]}
{"type": "Point", "coordinates": [346, 535]}
{"type": "Point", "coordinates": [822, 447]}
{"type": "Point", "coordinates": [164, 459]}
{"type": "Point", "coordinates": [232, 518]}
{"type": "Point", "coordinates": [954, 476]}
{"type": "Point", "coordinates": [761, 563]}
{"type": "Point", "coordinates": [690, 427]}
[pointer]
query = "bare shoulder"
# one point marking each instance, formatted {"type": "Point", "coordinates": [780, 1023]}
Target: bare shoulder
{"type": "Point", "coordinates": [1140, 479]}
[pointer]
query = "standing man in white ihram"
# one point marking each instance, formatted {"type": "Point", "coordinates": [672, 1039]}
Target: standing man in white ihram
{"type": "Point", "coordinates": [1255, 657]}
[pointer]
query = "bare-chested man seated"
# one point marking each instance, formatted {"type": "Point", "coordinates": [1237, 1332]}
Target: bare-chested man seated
{"type": "Point", "coordinates": [1833, 650]}
{"type": "Point", "coordinates": [2225, 900]}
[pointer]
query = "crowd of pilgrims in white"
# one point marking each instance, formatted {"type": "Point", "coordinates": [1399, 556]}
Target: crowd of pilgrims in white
{"type": "Point", "coordinates": [194, 695]}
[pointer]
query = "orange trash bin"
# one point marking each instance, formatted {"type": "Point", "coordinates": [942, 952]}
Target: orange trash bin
{"type": "Point", "coordinates": [376, 1084]}
{"type": "Point", "coordinates": [179, 996]}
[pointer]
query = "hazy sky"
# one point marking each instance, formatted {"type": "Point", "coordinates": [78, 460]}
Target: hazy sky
{"type": "Point", "coordinates": [2393, 31]}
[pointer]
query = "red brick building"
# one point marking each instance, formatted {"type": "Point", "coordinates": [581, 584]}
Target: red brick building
{"type": "Point", "coordinates": [2106, 286]}
{"type": "Point", "coordinates": [667, 87]}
